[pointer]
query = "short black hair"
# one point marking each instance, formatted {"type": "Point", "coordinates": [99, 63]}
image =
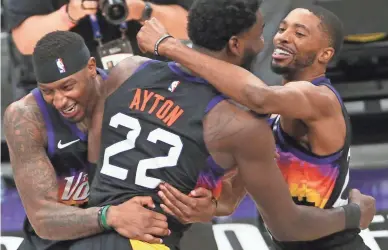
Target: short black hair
{"type": "Point", "coordinates": [53, 44]}
{"type": "Point", "coordinates": [211, 23]}
{"type": "Point", "coordinates": [331, 25]}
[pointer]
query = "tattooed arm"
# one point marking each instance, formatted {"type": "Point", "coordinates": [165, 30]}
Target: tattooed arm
{"type": "Point", "coordinates": [36, 179]}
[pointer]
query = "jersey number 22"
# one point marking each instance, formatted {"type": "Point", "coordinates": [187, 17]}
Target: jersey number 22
{"type": "Point", "coordinates": [155, 135]}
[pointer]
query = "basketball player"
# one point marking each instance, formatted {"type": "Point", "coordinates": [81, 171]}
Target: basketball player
{"type": "Point", "coordinates": [160, 123]}
{"type": "Point", "coordinates": [312, 130]}
{"type": "Point", "coordinates": [46, 133]}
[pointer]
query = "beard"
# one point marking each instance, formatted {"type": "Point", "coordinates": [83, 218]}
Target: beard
{"type": "Point", "coordinates": [298, 64]}
{"type": "Point", "coordinates": [248, 59]}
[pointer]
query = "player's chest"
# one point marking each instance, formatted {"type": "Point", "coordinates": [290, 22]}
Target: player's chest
{"type": "Point", "coordinates": [69, 159]}
{"type": "Point", "coordinates": [294, 129]}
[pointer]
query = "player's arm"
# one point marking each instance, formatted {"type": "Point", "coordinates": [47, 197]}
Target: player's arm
{"type": "Point", "coordinates": [262, 177]}
{"type": "Point", "coordinates": [233, 191]}
{"type": "Point", "coordinates": [300, 100]}
{"type": "Point", "coordinates": [36, 180]}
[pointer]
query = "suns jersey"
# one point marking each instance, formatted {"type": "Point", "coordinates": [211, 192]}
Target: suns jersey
{"type": "Point", "coordinates": [67, 151]}
{"type": "Point", "coordinates": [152, 132]}
{"type": "Point", "coordinates": [320, 181]}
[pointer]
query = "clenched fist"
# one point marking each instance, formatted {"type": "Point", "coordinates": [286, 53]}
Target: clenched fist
{"type": "Point", "coordinates": [149, 34]}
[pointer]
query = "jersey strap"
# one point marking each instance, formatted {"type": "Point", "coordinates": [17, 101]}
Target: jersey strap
{"type": "Point", "coordinates": [47, 121]}
{"type": "Point", "coordinates": [102, 73]}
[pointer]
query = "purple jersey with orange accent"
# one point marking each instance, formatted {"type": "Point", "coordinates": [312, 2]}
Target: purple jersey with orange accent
{"type": "Point", "coordinates": [319, 181]}
{"type": "Point", "coordinates": [67, 151]}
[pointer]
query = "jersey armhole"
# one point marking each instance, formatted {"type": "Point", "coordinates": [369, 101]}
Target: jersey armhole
{"type": "Point", "coordinates": [214, 101]}
{"type": "Point", "coordinates": [271, 119]}
{"type": "Point", "coordinates": [47, 121]}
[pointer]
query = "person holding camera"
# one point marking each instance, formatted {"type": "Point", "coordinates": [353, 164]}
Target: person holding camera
{"type": "Point", "coordinates": [109, 27]}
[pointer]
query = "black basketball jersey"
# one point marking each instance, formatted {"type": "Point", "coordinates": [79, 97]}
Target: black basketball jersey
{"type": "Point", "coordinates": [67, 150]}
{"type": "Point", "coordinates": [152, 132]}
{"type": "Point", "coordinates": [320, 181]}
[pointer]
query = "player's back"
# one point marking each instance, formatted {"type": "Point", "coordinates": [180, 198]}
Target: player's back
{"type": "Point", "coordinates": [152, 132]}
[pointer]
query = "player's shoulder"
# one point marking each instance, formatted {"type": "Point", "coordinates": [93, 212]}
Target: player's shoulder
{"type": "Point", "coordinates": [128, 65]}
{"type": "Point", "coordinates": [23, 106]}
{"type": "Point", "coordinates": [321, 96]}
{"type": "Point", "coordinates": [226, 122]}
{"type": "Point", "coordinates": [122, 71]}
{"type": "Point", "coordinates": [315, 91]}
{"type": "Point", "coordinates": [24, 114]}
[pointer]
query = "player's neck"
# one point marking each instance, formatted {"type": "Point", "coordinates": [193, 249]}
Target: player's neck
{"type": "Point", "coordinates": [302, 75]}
{"type": "Point", "coordinates": [92, 103]}
{"type": "Point", "coordinates": [97, 93]}
{"type": "Point", "coordinates": [217, 55]}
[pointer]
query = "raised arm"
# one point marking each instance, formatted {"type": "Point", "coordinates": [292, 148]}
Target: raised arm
{"type": "Point", "coordinates": [36, 180]}
{"type": "Point", "coordinates": [263, 179]}
{"type": "Point", "coordinates": [247, 89]}
{"type": "Point", "coordinates": [238, 83]}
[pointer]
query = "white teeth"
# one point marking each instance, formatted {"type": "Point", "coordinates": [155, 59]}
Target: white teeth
{"type": "Point", "coordinates": [69, 109]}
{"type": "Point", "coordinates": [282, 52]}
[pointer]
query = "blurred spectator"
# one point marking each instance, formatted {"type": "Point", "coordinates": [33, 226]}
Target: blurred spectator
{"type": "Point", "coordinates": [108, 42]}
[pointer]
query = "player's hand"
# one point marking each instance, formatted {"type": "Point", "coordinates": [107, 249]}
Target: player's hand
{"type": "Point", "coordinates": [132, 220]}
{"type": "Point", "coordinates": [149, 34]}
{"type": "Point", "coordinates": [78, 9]}
{"type": "Point", "coordinates": [367, 204]}
{"type": "Point", "coordinates": [198, 206]}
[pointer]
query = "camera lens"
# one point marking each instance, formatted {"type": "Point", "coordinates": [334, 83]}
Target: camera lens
{"type": "Point", "coordinates": [115, 11]}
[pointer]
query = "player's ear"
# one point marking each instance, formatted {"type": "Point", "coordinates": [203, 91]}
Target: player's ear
{"type": "Point", "coordinates": [234, 46]}
{"type": "Point", "coordinates": [91, 66]}
{"type": "Point", "coordinates": [326, 55]}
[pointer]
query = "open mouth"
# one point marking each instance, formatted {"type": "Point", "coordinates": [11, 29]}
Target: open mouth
{"type": "Point", "coordinates": [280, 54]}
{"type": "Point", "coordinates": [69, 111]}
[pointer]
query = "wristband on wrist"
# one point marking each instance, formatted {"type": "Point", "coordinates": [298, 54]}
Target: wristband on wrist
{"type": "Point", "coordinates": [156, 48]}
{"type": "Point", "coordinates": [102, 220]}
{"type": "Point", "coordinates": [352, 215]}
{"type": "Point", "coordinates": [147, 12]}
